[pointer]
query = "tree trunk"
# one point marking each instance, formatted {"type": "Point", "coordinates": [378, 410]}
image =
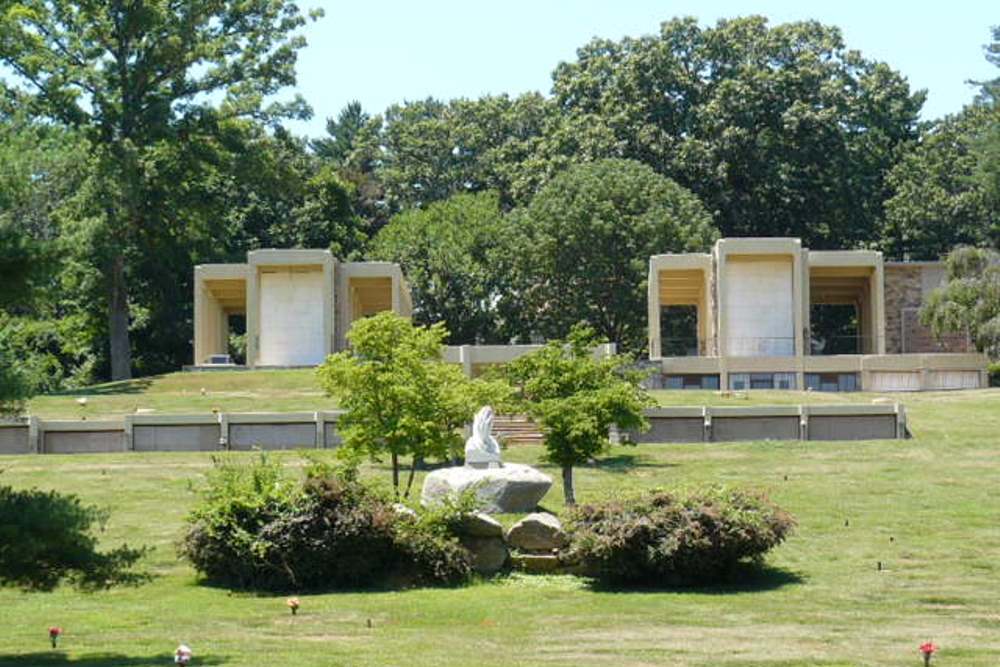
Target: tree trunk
{"type": "Point", "coordinates": [121, 351]}
{"type": "Point", "coordinates": [568, 493]}
{"type": "Point", "coordinates": [395, 474]}
{"type": "Point", "coordinates": [413, 471]}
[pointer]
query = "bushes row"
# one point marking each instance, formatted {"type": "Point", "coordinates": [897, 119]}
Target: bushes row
{"type": "Point", "coordinates": [665, 539]}
{"type": "Point", "coordinates": [257, 530]}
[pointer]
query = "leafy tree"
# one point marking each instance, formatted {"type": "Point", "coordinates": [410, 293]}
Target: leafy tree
{"type": "Point", "coordinates": [400, 398]}
{"type": "Point", "coordinates": [457, 257]}
{"type": "Point", "coordinates": [577, 398]}
{"type": "Point", "coordinates": [969, 301]}
{"type": "Point", "coordinates": [780, 130]}
{"type": "Point", "coordinates": [48, 537]}
{"type": "Point", "coordinates": [589, 234]}
{"type": "Point", "coordinates": [138, 77]}
{"type": "Point", "coordinates": [937, 203]}
{"type": "Point", "coordinates": [343, 134]}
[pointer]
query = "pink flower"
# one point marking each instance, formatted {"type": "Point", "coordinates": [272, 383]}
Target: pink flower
{"type": "Point", "coordinates": [293, 604]}
{"type": "Point", "coordinates": [183, 654]}
{"type": "Point", "coordinates": [928, 649]}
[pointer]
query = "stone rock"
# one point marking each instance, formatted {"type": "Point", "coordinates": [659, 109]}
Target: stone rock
{"type": "Point", "coordinates": [489, 554]}
{"type": "Point", "coordinates": [403, 511]}
{"type": "Point", "coordinates": [479, 524]}
{"type": "Point", "coordinates": [537, 532]}
{"type": "Point", "coordinates": [536, 563]}
{"type": "Point", "coordinates": [512, 488]}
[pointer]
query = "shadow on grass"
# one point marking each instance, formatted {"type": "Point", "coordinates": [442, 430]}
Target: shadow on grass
{"type": "Point", "coordinates": [56, 659]}
{"type": "Point", "coordinates": [625, 463]}
{"type": "Point", "coordinates": [126, 387]}
{"type": "Point", "coordinates": [747, 578]}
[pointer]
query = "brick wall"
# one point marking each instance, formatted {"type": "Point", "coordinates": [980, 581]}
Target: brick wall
{"type": "Point", "coordinates": [904, 294]}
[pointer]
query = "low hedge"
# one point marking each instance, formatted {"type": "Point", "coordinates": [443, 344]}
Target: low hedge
{"type": "Point", "coordinates": [663, 538]}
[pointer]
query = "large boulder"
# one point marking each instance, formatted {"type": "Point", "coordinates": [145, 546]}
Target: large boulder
{"type": "Point", "coordinates": [512, 488]}
{"type": "Point", "coordinates": [537, 532]}
{"type": "Point", "coordinates": [479, 524]}
{"type": "Point", "coordinates": [489, 554]}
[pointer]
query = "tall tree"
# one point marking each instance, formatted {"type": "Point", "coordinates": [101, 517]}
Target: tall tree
{"type": "Point", "coordinates": [343, 134]}
{"type": "Point", "coordinates": [588, 236]}
{"type": "Point", "coordinates": [780, 130]}
{"type": "Point", "coordinates": [136, 75]}
{"type": "Point", "coordinates": [457, 255]}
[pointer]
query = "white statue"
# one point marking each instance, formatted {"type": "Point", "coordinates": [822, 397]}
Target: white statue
{"type": "Point", "coordinates": [481, 449]}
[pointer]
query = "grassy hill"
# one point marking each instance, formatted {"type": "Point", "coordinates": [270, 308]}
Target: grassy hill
{"type": "Point", "coordinates": [925, 508]}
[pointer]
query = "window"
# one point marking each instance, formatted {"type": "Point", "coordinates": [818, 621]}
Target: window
{"type": "Point", "coordinates": [679, 331]}
{"type": "Point", "coordinates": [739, 381]}
{"type": "Point", "coordinates": [691, 382]}
{"type": "Point", "coordinates": [832, 381]}
{"type": "Point", "coordinates": [784, 380]}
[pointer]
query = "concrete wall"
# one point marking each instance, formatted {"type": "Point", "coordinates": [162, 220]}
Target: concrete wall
{"type": "Point", "coordinates": [760, 308]}
{"type": "Point", "coordinates": [789, 422]}
{"type": "Point", "coordinates": [173, 433]}
{"type": "Point", "coordinates": [15, 439]}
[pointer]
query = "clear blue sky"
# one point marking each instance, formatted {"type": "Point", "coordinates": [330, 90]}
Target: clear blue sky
{"type": "Point", "coordinates": [386, 51]}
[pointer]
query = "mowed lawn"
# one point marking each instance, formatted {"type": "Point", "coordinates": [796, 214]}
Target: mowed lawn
{"type": "Point", "coordinates": [928, 509]}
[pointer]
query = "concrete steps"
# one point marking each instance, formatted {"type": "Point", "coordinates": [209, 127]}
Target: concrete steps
{"type": "Point", "coordinates": [516, 430]}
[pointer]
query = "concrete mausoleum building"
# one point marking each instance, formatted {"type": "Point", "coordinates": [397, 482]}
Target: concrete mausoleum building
{"type": "Point", "coordinates": [768, 313]}
{"type": "Point", "coordinates": [298, 305]}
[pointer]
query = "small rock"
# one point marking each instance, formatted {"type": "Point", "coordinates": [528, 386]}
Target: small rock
{"type": "Point", "coordinates": [403, 510]}
{"type": "Point", "coordinates": [536, 563]}
{"type": "Point", "coordinates": [479, 524]}
{"type": "Point", "coordinates": [489, 554]}
{"type": "Point", "coordinates": [537, 532]}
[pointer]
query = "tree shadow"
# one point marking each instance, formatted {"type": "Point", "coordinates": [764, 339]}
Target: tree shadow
{"type": "Point", "coordinates": [56, 659]}
{"type": "Point", "coordinates": [746, 578]}
{"type": "Point", "coordinates": [137, 386]}
{"type": "Point", "coordinates": [622, 463]}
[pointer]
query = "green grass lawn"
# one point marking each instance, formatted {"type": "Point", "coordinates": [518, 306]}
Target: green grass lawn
{"type": "Point", "coordinates": [927, 508]}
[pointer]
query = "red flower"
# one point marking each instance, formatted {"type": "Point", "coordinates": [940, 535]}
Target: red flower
{"type": "Point", "coordinates": [928, 648]}
{"type": "Point", "coordinates": [54, 633]}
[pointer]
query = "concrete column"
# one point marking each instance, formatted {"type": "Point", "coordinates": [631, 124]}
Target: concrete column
{"type": "Point", "coordinates": [253, 315]}
{"type": "Point", "coordinates": [878, 306]}
{"type": "Point", "coordinates": [465, 358]}
{"type": "Point", "coordinates": [797, 302]}
{"type": "Point", "coordinates": [803, 422]}
{"type": "Point", "coordinates": [34, 435]}
{"type": "Point", "coordinates": [129, 437]}
{"type": "Point", "coordinates": [653, 312]}
{"type": "Point", "coordinates": [320, 439]}
{"type": "Point", "coordinates": [199, 318]}
{"type": "Point", "coordinates": [223, 431]}
{"type": "Point", "coordinates": [328, 306]}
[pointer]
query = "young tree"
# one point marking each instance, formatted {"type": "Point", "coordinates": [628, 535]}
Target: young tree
{"type": "Point", "coordinates": [137, 76]}
{"type": "Point", "coordinates": [577, 397]}
{"type": "Point", "coordinates": [588, 236]}
{"type": "Point", "coordinates": [400, 398]}
{"type": "Point", "coordinates": [969, 301]}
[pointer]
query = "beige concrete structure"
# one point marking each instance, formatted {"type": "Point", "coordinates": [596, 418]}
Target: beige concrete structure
{"type": "Point", "coordinates": [298, 304]}
{"type": "Point", "coordinates": [752, 312]}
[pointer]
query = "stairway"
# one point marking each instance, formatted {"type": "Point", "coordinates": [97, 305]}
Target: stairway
{"type": "Point", "coordinates": [516, 430]}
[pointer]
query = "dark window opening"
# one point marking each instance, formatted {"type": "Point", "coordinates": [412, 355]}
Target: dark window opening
{"type": "Point", "coordinates": [834, 329]}
{"type": "Point", "coordinates": [691, 382]}
{"type": "Point", "coordinates": [238, 339]}
{"type": "Point", "coordinates": [679, 331]}
{"type": "Point", "coordinates": [832, 381]}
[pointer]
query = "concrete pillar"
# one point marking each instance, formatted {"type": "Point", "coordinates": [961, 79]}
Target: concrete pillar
{"type": "Point", "coordinates": [129, 437]}
{"type": "Point", "coordinates": [465, 358]}
{"type": "Point", "coordinates": [34, 435]}
{"type": "Point", "coordinates": [253, 315]}
{"type": "Point", "coordinates": [653, 312]}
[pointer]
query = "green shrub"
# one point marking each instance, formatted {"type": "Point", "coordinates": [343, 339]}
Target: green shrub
{"type": "Point", "coordinates": [48, 537]}
{"type": "Point", "coordinates": [994, 370]}
{"type": "Point", "coordinates": [257, 530]}
{"type": "Point", "coordinates": [662, 538]}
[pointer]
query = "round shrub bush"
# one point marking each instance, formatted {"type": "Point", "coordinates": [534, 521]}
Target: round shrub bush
{"type": "Point", "coordinates": [255, 530]}
{"type": "Point", "coordinates": [662, 538]}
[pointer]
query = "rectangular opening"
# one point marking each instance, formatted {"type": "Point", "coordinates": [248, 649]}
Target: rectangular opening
{"type": "Point", "coordinates": [369, 296]}
{"type": "Point", "coordinates": [841, 315]}
{"type": "Point", "coordinates": [744, 381]}
{"type": "Point", "coordinates": [683, 318]}
{"type": "Point", "coordinates": [679, 331]}
{"type": "Point", "coordinates": [691, 381]}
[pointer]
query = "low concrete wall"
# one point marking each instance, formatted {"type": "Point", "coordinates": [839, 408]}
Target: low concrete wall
{"type": "Point", "coordinates": [81, 437]}
{"type": "Point", "coordinates": [15, 439]}
{"type": "Point", "coordinates": [785, 422]}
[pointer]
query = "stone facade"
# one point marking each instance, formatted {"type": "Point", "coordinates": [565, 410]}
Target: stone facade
{"type": "Point", "coordinates": [905, 291]}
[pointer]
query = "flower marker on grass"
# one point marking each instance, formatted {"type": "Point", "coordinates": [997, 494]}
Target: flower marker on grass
{"type": "Point", "coordinates": [293, 604]}
{"type": "Point", "coordinates": [183, 655]}
{"type": "Point", "coordinates": [928, 649]}
{"type": "Point", "coordinates": [54, 633]}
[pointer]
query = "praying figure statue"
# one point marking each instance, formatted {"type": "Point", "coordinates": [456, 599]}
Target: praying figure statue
{"type": "Point", "coordinates": [481, 449]}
